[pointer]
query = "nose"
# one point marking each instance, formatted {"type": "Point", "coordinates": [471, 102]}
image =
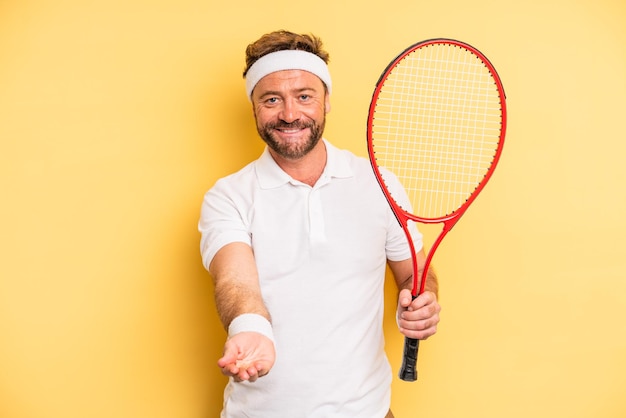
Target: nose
{"type": "Point", "coordinates": [290, 111]}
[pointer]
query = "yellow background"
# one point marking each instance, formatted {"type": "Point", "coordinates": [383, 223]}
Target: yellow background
{"type": "Point", "coordinates": [116, 117]}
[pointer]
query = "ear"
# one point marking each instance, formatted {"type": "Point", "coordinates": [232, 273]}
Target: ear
{"type": "Point", "coordinates": [327, 102]}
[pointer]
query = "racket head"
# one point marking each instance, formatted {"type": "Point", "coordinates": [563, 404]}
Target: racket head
{"type": "Point", "coordinates": [437, 121]}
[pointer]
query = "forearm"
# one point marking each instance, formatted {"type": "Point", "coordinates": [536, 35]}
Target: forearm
{"type": "Point", "coordinates": [403, 273]}
{"type": "Point", "coordinates": [237, 289]}
{"type": "Point", "coordinates": [249, 350]}
{"type": "Point", "coordinates": [432, 284]}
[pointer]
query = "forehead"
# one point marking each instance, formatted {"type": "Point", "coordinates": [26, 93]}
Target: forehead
{"type": "Point", "coordinates": [286, 80]}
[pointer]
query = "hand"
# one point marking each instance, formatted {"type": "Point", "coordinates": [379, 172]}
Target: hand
{"type": "Point", "coordinates": [418, 318]}
{"type": "Point", "coordinates": [247, 356]}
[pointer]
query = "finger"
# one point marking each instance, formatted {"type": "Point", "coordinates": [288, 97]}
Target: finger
{"type": "Point", "coordinates": [253, 374]}
{"type": "Point", "coordinates": [422, 300]}
{"type": "Point", "coordinates": [419, 334]}
{"type": "Point", "coordinates": [262, 369]}
{"type": "Point", "coordinates": [429, 313]}
{"type": "Point", "coordinates": [230, 370]}
{"type": "Point", "coordinates": [243, 375]}
{"type": "Point", "coordinates": [419, 324]}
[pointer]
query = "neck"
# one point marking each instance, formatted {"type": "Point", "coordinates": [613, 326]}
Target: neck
{"type": "Point", "coordinates": [307, 169]}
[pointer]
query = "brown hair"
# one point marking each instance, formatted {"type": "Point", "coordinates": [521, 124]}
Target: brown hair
{"type": "Point", "coordinates": [280, 40]}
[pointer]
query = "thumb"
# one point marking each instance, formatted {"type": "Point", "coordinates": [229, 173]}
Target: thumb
{"type": "Point", "coordinates": [405, 298]}
{"type": "Point", "coordinates": [230, 355]}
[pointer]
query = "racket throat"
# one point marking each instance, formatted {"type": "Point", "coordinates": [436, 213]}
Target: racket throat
{"type": "Point", "coordinates": [420, 285]}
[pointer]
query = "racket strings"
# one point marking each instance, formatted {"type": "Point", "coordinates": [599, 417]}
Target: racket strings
{"type": "Point", "coordinates": [437, 126]}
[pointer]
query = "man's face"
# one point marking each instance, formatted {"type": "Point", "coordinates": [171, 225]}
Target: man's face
{"type": "Point", "coordinates": [290, 110]}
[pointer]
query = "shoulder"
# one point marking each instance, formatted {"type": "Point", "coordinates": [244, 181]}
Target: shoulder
{"type": "Point", "coordinates": [241, 179]}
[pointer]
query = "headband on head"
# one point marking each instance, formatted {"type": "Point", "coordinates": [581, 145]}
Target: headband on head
{"type": "Point", "coordinates": [288, 59]}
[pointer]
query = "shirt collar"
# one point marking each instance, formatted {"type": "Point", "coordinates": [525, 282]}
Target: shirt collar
{"type": "Point", "coordinates": [270, 175]}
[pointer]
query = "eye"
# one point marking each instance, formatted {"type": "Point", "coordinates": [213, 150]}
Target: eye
{"type": "Point", "coordinates": [304, 97]}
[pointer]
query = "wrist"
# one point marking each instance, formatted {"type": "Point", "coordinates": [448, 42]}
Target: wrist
{"type": "Point", "coordinates": [250, 322]}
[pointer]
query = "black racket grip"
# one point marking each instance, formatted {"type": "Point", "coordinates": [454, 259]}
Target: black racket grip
{"type": "Point", "coordinates": [408, 371]}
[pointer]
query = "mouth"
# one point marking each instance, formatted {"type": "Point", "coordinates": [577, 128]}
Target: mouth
{"type": "Point", "coordinates": [290, 130]}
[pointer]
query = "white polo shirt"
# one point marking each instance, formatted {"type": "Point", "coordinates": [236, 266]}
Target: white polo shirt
{"type": "Point", "coordinates": [321, 254]}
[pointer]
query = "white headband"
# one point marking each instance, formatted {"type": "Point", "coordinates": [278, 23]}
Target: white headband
{"type": "Point", "coordinates": [288, 59]}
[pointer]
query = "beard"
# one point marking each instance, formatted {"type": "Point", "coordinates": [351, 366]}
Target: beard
{"type": "Point", "coordinates": [296, 149]}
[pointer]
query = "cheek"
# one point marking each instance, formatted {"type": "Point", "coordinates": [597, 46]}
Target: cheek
{"type": "Point", "coordinates": [263, 116]}
{"type": "Point", "coordinates": [316, 112]}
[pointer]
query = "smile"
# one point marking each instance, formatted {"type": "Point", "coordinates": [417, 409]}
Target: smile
{"type": "Point", "coordinates": [290, 131]}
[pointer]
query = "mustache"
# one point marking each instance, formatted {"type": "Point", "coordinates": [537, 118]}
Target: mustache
{"type": "Point", "coordinates": [298, 124]}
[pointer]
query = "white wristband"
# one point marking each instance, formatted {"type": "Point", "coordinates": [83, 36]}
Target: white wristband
{"type": "Point", "coordinates": [251, 323]}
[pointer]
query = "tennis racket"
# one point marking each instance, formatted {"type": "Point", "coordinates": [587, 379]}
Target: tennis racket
{"type": "Point", "coordinates": [437, 121]}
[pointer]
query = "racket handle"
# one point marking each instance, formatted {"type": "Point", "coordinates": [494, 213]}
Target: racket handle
{"type": "Point", "coordinates": [408, 371]}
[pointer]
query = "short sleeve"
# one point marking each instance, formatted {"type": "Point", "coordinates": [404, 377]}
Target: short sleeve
{"type": "Point", "coordinates": [221, 222]}
{"type": "Point", "coordinates": [397, 247]}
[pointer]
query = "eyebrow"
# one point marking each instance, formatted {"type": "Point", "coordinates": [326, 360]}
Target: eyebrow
{"type": "Point", "coordinates": [278, 93]}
